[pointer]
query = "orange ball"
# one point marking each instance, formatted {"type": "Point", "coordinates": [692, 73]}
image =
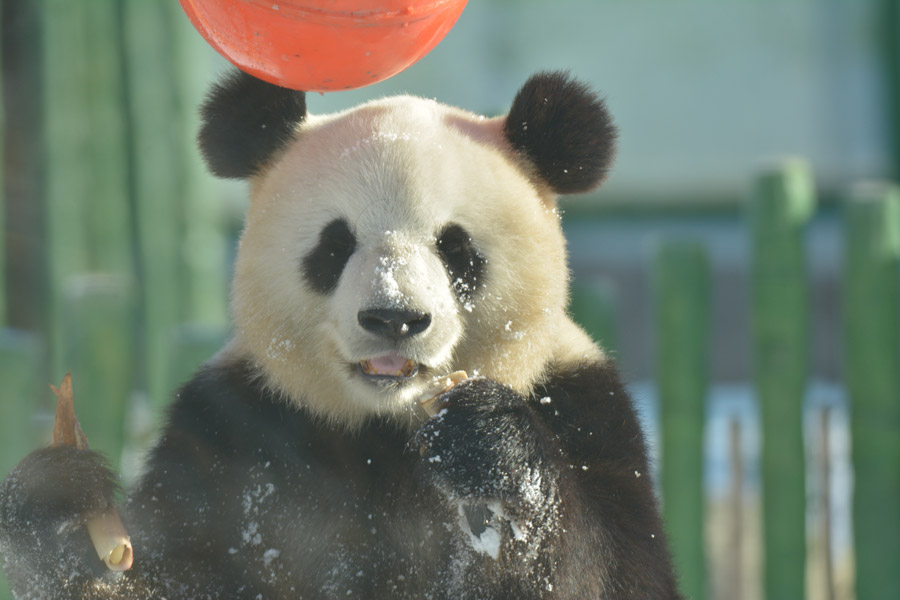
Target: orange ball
{"type": "Point", "coordinates": [323, 45]}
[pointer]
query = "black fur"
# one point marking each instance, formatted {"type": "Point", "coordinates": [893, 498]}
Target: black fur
{"type": "Point", "coordinates": [246, 121]}
{"type": "Point", "coordinates": [492, 425]}
{"type": "Point", "coordinates": [244, 497]}
{"type": "Point", "coordinates": [564, 130]}
{"type": "Point", "coordinates": [464, 263]}
{"type": "Point", "coordinates": [44, 503]}
{"type": "Point", "coordinates": [323, 266]}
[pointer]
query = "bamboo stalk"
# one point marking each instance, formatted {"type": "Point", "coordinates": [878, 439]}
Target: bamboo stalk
{"type": "Point", "coordinates": [106, 530]}
{"type": "Point", "coordinates": [682, 309]}
{"type": "Point", "coordinates": [782, 203]}
{"type": "Point", "coordinates": [872, 360]}
{"type": "Point", "coordinates": [431, 398]}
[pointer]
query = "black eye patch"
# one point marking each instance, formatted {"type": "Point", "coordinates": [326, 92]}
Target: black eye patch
{"type": "Point", "coordinates": [323, 266]}
{"type": "Point", "coordinates": [463, 262]}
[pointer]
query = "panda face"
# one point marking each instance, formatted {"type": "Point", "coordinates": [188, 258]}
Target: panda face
{"type": "Point", "coordinates": [392, 244]}
{"type": "Point", "coordinates": [403, 239]}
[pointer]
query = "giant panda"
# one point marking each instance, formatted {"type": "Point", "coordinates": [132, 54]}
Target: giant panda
{"type": "Point", "coordinates": [384, 246]}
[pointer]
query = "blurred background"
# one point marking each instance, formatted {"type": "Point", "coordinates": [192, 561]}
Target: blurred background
{"type": "Point", "coordinates": [739, 264]}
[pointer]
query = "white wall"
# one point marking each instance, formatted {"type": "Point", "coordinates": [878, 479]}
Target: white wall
{"type": "Point", "coordinates": [703, 92]}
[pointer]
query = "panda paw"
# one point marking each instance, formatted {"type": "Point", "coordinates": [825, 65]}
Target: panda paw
{"type": "Point", "coordinates": [47, 497]}
{"type": "Point", "coordinates": [483, 447]}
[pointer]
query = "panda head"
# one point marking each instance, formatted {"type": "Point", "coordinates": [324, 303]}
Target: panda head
{"type": "Point", "coordinates": [403, 239]}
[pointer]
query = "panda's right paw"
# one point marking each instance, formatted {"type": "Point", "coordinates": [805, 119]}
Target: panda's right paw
{"type": "Point", "coordinates": [482, 447]}
{"type": "Point", "coordinates": [47, 497]}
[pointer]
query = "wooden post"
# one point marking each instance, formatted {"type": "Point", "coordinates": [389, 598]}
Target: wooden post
{"type": "Point", "coordinates": [872, 360]}
{"type": "Point", "coordinates": [735, 564]}
{"type": "Point", "coordinates": [25, 238]}
{"type": "Point", "coordinates": [825, 443]}
{"type": "Point", "coordinates": [682, 309]}
{"type": "Point", "coordinates": [782, 202]}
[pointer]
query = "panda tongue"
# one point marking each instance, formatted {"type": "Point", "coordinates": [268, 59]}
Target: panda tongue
{"type": "Point", "coordinates": [388, 364]}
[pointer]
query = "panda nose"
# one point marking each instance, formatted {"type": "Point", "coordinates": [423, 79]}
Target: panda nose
{"type": "Point", "coordinates": [394, 323]}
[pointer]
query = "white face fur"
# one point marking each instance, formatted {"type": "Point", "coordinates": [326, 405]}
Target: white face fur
{"type": "Point", "coordinates": [405, 179]}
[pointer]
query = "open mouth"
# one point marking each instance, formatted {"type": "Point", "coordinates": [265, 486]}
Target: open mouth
{"type": "Point", "coordinates": [389, 366]}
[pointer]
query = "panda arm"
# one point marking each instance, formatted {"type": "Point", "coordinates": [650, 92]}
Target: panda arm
{"type": "Point", "coordinates": [569, 467]}
{"type": "Point", "coordinates": [588, 416]}
{"type": "Point", "coordinates": [178, 516]}
{"type": "Point", "coordinates": [44, 503]}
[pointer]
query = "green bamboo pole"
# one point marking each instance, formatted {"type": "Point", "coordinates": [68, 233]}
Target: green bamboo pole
{"type": "Point", "coordinates": [99, 354]}
{"type": "Point", "coordinates": [593, 306]}
{"type": "Point", "coordinates": [3, 269]}
{"type": "Point", "coordinates": [67, 169]}
{"type": "Point", "coordinates": [158, 170]}
{"type": "Point", "coordinates": [87, 214]}
{"type": "Point", "coordinates": [872, 362]}
{"type": "Point", "coordinates": [108, 238]}
{"type": "Point", "coordinates": [682, 315]}
{"type": "Point", "coordinates": [783, 201]}
{"type": "Point", "coordinates": [9, 430]}
{"type": "Point", "coordinates": [85, 141]}
{"type": "Point", "coordinates": [887, 37]}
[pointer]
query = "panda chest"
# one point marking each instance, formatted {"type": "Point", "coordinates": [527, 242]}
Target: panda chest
{"type": "Point", "coordinates": [333, 528]}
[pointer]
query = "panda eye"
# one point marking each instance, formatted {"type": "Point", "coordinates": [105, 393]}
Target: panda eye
{"type": "Point", "coordinates": [323, 266]}
{"type": "Point", "coordinates": [462, 260]}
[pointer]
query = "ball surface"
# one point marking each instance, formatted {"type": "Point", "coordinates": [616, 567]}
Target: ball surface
{"type": "Point", "coordinates": [323, 45]}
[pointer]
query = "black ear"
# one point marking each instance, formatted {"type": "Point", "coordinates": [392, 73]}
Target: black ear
{"type": "Point", "coordinates": [245, 122]}
{"type": "Point", "coordinates": [564, 129]}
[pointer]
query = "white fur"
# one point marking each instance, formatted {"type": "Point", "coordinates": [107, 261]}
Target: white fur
{"type": "Point", "coordinates": [399, 170]}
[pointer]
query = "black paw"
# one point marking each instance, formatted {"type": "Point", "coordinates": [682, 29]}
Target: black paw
{"type": "Point", "coordinates": [53, 491]}
{"type": "Point", "coordinates": [482, 446]}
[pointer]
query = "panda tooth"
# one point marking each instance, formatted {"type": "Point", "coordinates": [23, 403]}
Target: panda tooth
{"type": "Point", "coordinates": [408, 369]}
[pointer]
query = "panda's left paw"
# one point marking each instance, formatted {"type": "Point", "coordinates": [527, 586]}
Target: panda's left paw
{"type": "Point", "coordinates": [483, 446]}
